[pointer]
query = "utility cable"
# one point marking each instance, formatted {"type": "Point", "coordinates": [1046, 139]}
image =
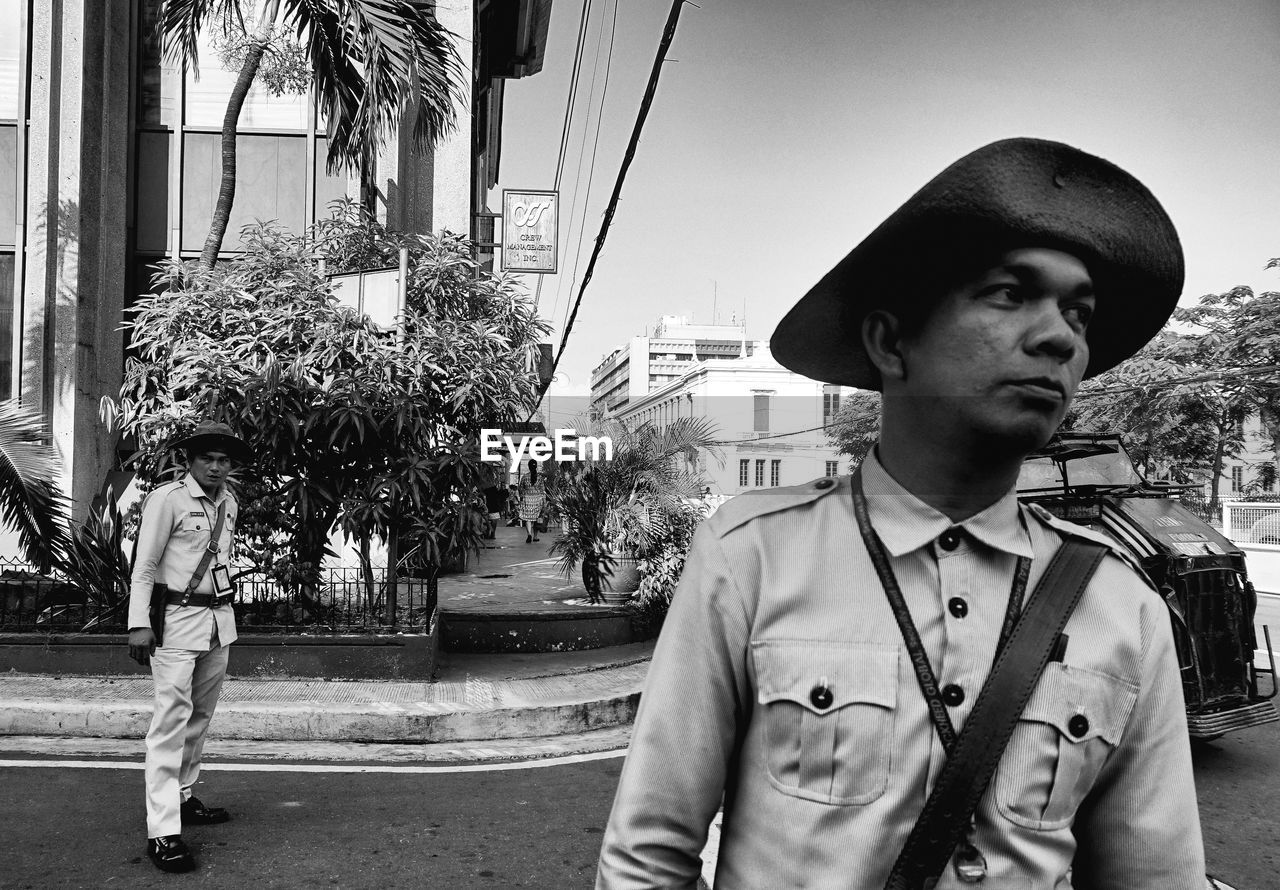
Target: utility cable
{"type": "Point", "coordinates": [595, 145]}
{"type": "Point", "coordinates": [668, 34]}
{"type": "Point", "coordinates": [574, 74]}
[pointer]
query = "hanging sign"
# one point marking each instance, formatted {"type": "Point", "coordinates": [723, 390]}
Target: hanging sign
{"type": "Point", "coordinates": [529, 220]}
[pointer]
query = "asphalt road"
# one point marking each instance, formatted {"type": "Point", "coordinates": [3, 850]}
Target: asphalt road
{"type": "Point", "coordinates": [535, 828]}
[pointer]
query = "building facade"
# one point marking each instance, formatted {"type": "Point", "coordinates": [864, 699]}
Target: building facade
{"type": "Point", "coordinates": [770, 422]}
{"type": "Point", "coordinates": [109, 161]}
{"type": "Point", "coordinates": [647, 363]}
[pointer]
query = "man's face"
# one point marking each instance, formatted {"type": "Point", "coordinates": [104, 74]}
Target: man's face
{"type": "Point", "coordinates": [210, 469]}
{"type": "Point", "coordinates": [999, 358]}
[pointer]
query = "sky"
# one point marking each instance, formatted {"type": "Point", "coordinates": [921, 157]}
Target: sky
{"type": "Point", "coordinates": [782, 133]}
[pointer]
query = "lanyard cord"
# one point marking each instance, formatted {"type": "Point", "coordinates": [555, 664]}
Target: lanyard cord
{"type": "Point", "coordinates": [897, 602]}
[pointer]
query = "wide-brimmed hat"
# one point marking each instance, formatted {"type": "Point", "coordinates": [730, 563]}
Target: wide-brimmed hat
{"type": "Point", "coordinates": [1009, 194]}
{"type": "Point", "coordinates": [212, 436]}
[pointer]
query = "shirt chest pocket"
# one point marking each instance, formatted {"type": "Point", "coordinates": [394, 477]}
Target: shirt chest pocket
{"type": "Point", "coordinates": [827, 712]}
{"type": "Point", "coordinates": [193, 531]}
{"type": "Point", "coordinates": [1068, 729]}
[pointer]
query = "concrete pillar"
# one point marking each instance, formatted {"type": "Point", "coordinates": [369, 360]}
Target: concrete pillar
{"type": "Point", "coordinates": [427, 190]}
{"type": "Point", "coordinates": [76, 189]}
{"type": "Point", "coordinates": [451, 190]}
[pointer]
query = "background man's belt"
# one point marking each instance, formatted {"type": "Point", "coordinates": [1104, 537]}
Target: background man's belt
{"type": "Point", "coordinates": [199, 600]}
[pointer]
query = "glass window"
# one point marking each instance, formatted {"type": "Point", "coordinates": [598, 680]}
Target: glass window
{"type": "Point", "coordinates": [761, 414]}
{"type": "Point", "coordinates": [10, 51]}
{"type": "Point", "coordinates": [1237, 478]}
{"type": "Point", "coordinates": [156, 108]}
{"type": "Point", "coordinates": [833, 468]}
{"type": "Point", "coordinates": [271, 182]}
{"type": "Point", "coordinates": [8, 183]}
{"type": "Point", "coordinates": [760, 474]}
{"type": "Point", "coordinates": [206, 100]}
{"type": "Point", "coordinates": [6, 325]}
{"type": "Point", "coordinates": [329, 188]}
{"type": "Point", "coordinates": [744, 471]}
{"type": "Point", "coordinates": [775, 472]}
{"type": "Point", "coordinates": [830, 403]}
{"type": "Point", "coordinates": [153, 191]}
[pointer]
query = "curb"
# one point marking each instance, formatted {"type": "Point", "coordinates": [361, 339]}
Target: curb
{"type": "Point", "coordinates": [379, 722]}
{"type": "Point", "coordinates": [472, 709]}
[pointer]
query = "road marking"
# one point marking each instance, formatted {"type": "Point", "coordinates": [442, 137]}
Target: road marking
{"type": "Point", "coordinates": [565, 760]}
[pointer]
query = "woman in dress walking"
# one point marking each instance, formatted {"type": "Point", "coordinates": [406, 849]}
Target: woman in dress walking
{"type": "Point", "coordinates": [533, 495]}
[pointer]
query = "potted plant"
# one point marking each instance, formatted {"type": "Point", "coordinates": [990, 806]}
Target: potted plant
{"type": "Point", "coordinates": [615, 510]}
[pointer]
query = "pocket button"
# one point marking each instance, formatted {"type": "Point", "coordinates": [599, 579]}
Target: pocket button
{"type": "Point", "coordinates": [821, 697]}
{"type": "Point", "coordinates": [1078, 725]}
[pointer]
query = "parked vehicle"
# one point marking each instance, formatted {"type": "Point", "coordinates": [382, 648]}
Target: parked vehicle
{"type": "Point", "coordinates": [1091, 480]}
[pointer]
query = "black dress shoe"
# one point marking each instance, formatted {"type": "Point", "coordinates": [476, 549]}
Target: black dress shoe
{"type": "Point", "coordinates": [196, 813]}
{"type": "Point", "coordinates": [169, 853]}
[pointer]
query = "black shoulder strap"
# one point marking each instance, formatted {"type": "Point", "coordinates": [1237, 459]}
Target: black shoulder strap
{"type": "Point", "coordinates": [214, 542]}
{"type": "Point", "coordinates": [969, 768]}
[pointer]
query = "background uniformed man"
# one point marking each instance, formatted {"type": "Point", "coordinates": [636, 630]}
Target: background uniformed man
{"type": "Point", "coordinates": [783, 683]}
{"type": "Point", "coordinates": [175, 534]}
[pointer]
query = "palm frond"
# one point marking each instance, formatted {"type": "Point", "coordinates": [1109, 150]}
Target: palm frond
{"type": "Point", "coordinates": [180, 22]}
{"type": "Point", "coordinates": [373, 60]}
{"type": "Point", "coordinates": [30, 502]}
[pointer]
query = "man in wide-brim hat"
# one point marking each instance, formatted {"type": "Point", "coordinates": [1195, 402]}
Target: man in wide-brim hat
{"type": "Point", "coordinates": [181, 623]}
{"type": "Point", "coordinates": [792, 683]}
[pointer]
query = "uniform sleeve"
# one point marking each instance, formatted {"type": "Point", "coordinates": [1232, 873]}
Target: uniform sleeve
{"type": "Point", "coordinates": [153, 537]}
{"type": "Point", "coordinates": [694, 704]}
{"type": "Point", "coordinates": [1139, 829]}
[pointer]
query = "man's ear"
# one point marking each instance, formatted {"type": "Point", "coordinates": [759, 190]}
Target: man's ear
{"type": "Point", "coordinates": [881, 338]}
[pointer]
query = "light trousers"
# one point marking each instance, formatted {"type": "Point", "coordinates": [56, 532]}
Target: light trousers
{"type": "Point", "coordinates": [187, 683]}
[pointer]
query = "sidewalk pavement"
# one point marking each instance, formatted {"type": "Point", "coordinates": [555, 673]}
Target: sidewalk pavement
{"type": "Point", "coordinates": [500, 705]}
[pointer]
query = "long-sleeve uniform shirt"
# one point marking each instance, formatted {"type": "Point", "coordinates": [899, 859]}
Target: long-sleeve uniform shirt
{"type": "Point", "coordinates": [779, 597]}
{"type": "Point", "coordinates": [177, 523]}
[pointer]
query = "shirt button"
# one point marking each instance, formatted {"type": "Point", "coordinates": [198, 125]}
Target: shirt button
{"type": "Point", "coordinates": [952, 696]}
{"type": "Point", "coordinates": [823, 483]}
{"type": "Point", "coordinates": [821, 697]}
{"type": "Point", "coordinates": [958, 607]}
{"type": "Point", "coordinates": [950, 539]}
{"type": "Point", "coordinates": [1078, 725]}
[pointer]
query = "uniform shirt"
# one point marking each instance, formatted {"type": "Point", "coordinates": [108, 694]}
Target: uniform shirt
{"type": "Point", "coordinates": [177, 523]}
{"type": "Point", "coordinates": [779, 596]}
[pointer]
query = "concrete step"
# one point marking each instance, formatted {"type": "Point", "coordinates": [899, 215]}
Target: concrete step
{"type": "Point", "coordinates": [560, 629]}
{"type": "Point", "coordinates": [592, 744]}
{"type": "Point", "coordinates": [516, 697]}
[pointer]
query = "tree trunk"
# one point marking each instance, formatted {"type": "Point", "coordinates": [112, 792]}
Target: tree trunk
{"type": "Point", "coordinates": [1219, 451]}
{"type": "Point", "coordinates": [1270, 418]}
{"type": "Point", "coordinates": [230, 121]}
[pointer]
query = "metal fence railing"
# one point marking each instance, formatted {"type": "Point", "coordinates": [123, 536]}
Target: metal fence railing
{"type": "Point", "coordinates": [1251, 522]}
{"type": "Point", "coordinates": [342, 603]}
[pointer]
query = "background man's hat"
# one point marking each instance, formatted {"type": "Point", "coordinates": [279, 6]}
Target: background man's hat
{"type": "Point", "coordinates": [212, 436]}
{"type": "Point", "coordinates": [1009, 194]}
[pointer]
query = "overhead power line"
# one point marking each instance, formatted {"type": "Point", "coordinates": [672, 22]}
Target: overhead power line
{"type": "Point", "coordinates": [668, 34]}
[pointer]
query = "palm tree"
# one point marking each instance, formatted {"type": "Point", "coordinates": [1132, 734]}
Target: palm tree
{"type": "Point", "coordinates": [626, 504]}
{"type": "Point", "coordinates": [371, 60]}
{"type": "Point", "coordinates": [30, 502]}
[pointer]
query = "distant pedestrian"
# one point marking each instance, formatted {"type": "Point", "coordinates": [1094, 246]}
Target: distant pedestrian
{"type": "Point", "coordinates": [495, 501]}
{"type": "Point", "coordinates": [183, 558]}
{"type": "Point", "coordinates": [533, 497]}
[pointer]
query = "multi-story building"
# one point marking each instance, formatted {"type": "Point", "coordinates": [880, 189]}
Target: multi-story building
{"type": "Point", "coordinates": [770, 421]}
{"type": "Point", "coordinates": [109, 160]}
{"type": "Point", "coordinates": [652, 361]}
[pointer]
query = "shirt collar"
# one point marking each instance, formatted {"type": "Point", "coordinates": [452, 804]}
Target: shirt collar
{"type": "Point", "coordinates": [905, 523]}
{"type": "Point", "coordinates": [196, 491]}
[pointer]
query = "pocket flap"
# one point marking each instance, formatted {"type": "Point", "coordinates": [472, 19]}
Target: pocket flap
{"type": "Point", "coordinates": [790, 670]}
{"type": "Point", "coordinates": [1081, 704]}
